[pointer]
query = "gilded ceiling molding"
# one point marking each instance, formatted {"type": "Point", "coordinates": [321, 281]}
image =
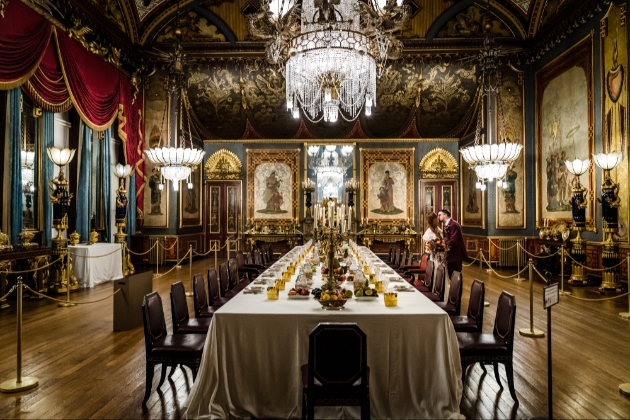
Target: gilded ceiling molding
{"type": "Point", "coordinates": [223, 164]}
{"type": "Point", "coordinates": [162, 19]}
{"type": "Point", "coordinates": [536, 15]}
{"type": "Point", "coordinates": [510, 16]}
{"type": "Point", "coordinates": [131, 20]}
{"type": "Point", "coordinates": [341, 141]}
{"type": "Point", "coordinates": [438, 164]}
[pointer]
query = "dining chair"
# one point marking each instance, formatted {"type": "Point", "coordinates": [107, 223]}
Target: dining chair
{"type": "Point", "coordinates": [244, 269]}
{"type": "Point", "coordinates": [236, 282]}
{"type": "Point", "coordinates": [426, 283]}
{"type": "Point", "coordinates": [200, 299]}
{"type": "Point", "coordinates": [215, 299]}
{"type": "Point", "coordinates": [396, 261]}
{"type": "Point", "coordinates": [182, 323]}
{"type": "Point", "coordinates": [224, 282]}
{"type": "Point", "coordinates": [166, 349]}
{"type": "Point", "coordinates": [417, 270]}
{"type": "Point", "coordinates": [329, 383]}
{"type": "Point", "coordinates": [493, 348]}
{"type": "Point", "coordinates": [453, 305]}
{"type": "Point", "coordinates": [439, 284]}
{"type": "Point", "coordinates": [473, 321]}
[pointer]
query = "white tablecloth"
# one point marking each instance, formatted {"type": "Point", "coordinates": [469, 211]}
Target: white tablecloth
{"type": "Point", "coordinates": [255, 347]}
{"type": "Point", "coordinates": [90, 270]}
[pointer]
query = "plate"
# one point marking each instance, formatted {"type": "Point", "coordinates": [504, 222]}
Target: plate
{"type": "Point", "coordinates": [299, 297]}
{"type": "Point", "coordinates": [366, 297]}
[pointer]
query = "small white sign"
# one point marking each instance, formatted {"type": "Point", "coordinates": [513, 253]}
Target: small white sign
{"type": "Point", "coordinates": [551, 295]}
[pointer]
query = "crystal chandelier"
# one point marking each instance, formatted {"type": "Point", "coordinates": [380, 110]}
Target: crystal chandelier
{"type": "Point", "coordinates": [177, 161]}
{"type": "Point", "coordinates": [491, 160]}
{"type": "Point", "coordinates": [331, 51]}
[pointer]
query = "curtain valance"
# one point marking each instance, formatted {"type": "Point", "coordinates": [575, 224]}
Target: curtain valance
{"type": "Point", "coordinates": [58, 73]}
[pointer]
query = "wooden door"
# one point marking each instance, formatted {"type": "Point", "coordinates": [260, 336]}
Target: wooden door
{"type": "Point", "coordinates": [435, 195]}
{"type": "Point", "coordinates": [222, 213]}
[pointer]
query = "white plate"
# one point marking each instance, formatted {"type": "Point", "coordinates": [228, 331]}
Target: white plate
{"type": "Point", "coordinates": [366, 297]}
{"type": "Point", "coordinates": [298, 297]}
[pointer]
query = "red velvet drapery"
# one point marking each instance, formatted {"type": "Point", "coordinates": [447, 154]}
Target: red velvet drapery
{"type": "Point", "coordinates": [58, 73]}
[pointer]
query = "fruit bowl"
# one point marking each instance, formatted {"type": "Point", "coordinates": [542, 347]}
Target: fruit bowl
{"type": "Point", "coordinates": [333, 304]}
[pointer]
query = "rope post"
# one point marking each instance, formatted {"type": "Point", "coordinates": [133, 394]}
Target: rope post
{"type": "Point", "coordinates": [562, 292]}
{"type": "Point", "coordinates": [216, 255]}
{"type": "Point", "coordinates": [518, 277]}
{"type": "Point", "coordinates": [190, 252]}
{"type": "Point", "coordinates": [480, 259]}
{"type": "Point", "coordinates": [531, 332]}
{"type": "Point", "coordinates": [157, 259]}
{"type": "Point", "coordinates": [19, 383]}
{"type": "Point", "coordinates": [227, 243]}
{"type": "Point", "coordinates": [626, 315]}
{"type": "Point", "coordinates": [67, 303]}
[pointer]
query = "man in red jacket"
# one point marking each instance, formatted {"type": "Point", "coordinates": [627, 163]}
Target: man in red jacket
{"type": "Point", "coordinates": [454, 241]}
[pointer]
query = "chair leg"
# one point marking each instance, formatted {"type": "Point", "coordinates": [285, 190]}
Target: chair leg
{"type": "Point", "coordinates": [303, 405]}
{"type": "Point", "coordinates": [162, 374]}
{"type": "Point", "coordinates": [194, 369]}
{"type": "Point", "coordinates": [496, 374]}
{"type": "Point", "coordinates": [149, 384]}
{"type": "Point", "coordinates": [483, 367]}
{"type": "Point", "coordinates": [310, 408]}
{"type": "Point", "coordinates": [510, 377]}
{"type": "Point", "coordinates": [464, 367]}
{"type": "Point", "coordinates": [172, 372]}
{"type": "Point", "coordinates": [365, 408]}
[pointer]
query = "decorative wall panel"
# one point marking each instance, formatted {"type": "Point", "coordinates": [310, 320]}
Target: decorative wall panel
{"type": "Point", "coordinates": [472, 199]}
{"type": "Point", "coordinates": [190, 200]}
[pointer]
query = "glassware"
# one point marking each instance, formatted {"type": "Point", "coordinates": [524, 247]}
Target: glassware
{"type": "Point", "coordinates": [391, 299]}
{"type": "Point", "coordinates": [280, 284]}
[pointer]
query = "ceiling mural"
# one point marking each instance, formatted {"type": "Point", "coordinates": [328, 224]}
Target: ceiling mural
{"type": "Point", "coordinates": [112, 11]}
{"type": "Point", "coordinates": [224, 97]}
{"type": "Point", "coordinates": [522, 4]}
{"type": "Point", "coordinates": [194, 28]}
{"type": "Point", "coordinates": [144, 7]}
{"type": "Point", "coordinates": [551, 9]}
{"type": "Point", "coordinates": [471, 22]}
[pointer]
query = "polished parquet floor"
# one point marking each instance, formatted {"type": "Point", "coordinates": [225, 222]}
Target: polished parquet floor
{"type": "Point", "coordinates": [87, 371]}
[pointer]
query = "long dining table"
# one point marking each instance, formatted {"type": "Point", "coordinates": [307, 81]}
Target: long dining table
{"type": "Point", "coordinates": [255, 348]}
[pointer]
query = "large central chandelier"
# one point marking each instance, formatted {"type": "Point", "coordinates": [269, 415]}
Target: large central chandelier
{"type": "Point", "coordinates": [176, 162]}
{"type": "Point", "coordinates": [491, 160]}
{"type": "Point", "coordinates": [331, 51]}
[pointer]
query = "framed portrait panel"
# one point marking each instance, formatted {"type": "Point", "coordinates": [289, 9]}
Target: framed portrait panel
{"type": "Point", "coordinates": [472, 198]}
{"type": "Point", "coordinates": [614, 68]}
{"type": "Point", "coordinates": [155, 200]}
{"type": "Point", "coordinates": [273, 185]}
{"type": "Point", "coordinates": [564, 128]}
{"type": "Point", "coordinates": [190, 200]}
{"type": "Point", "coordinates": [387, 182]}
{"type": "Point", "coordinates": [510, 207]}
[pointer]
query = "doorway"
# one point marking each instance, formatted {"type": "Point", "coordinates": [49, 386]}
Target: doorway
{"type": "Point", "coordinates": [222, 214]}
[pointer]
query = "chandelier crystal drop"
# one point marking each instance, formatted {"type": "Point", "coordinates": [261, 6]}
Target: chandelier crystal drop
{"type": "Point", "coordinates": [176, 163]}
{"type": "Point", "coordinates": [331, 51]}
{"type": "Point", "coordinates": [491, 160]}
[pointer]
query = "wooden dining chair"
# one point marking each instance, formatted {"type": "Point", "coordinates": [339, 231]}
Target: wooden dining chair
{"type": "Point", "coordinates": [224, 282]}
{"type": "Point", "coordinates": [473, 321]}
{"type": "Point", "coordinates": [166, 349]}
{"type": "Point", "coordinates": [244, 269]}
{"type": "Point", "coordinates": [417, 270]}
{"type": "Point", "coordinates": [493, 348]}
{"type": "Point", "coordinates": [454, 302]}
{"type": "Point", "coordinates": [395, 263]}
{"type": "Point", "coordinates": [328, 383]}
{"type": "Point", "coordinates": [182, 323]}
{"type": "Point", "coordinates": [236, 282]}
{"type": "Point", "coordinates": [200, 299]}
{"type": "Point", "coordinates": [426, 283]}
{"type": "Point", "coordinates": [439, 284]}
{"type": "Point", "coordinates": [215, 299]}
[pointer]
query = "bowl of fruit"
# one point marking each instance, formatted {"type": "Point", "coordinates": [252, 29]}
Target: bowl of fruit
{"type": "Point", "coordinates": [334, 299]}
{"type": "Point", "coordinates": [365, 292]}
{"type": "Point", "coordinates": [299, 293]}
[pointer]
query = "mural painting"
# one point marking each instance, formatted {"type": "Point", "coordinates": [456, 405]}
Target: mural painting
{"type": "Point", "coordinates": [190, 200]}
{"type": "Point", "coordinates": [472, 198]}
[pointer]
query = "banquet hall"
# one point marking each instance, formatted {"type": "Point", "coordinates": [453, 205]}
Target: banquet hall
{"type": "Point", "coordinates": [314, 209]}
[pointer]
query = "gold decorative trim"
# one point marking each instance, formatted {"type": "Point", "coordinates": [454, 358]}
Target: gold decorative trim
{"type": "Point", "coordinates": [223, 164]}
{"type": "Point", "coordinates": [341, 142]}
{"type": "Point", "coordinates": [438, 164]}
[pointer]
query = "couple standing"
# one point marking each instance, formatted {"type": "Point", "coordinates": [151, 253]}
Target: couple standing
{"type": "Point", "coordinates": [452, 235]}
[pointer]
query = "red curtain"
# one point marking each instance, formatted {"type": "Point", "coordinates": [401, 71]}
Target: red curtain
{"type": "Point", "coordinates": [24, 36]}
{"type": "Point", "coordinates": [60, 74]}
{"type": "Point", "coordinates": [47, 86]}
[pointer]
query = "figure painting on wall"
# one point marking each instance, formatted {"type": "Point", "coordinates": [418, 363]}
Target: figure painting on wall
{"type": "Point", "coordinates": [272, 196]}
{"type": "Point", "coordinates": [272, 190]}
{"type": "Point", "coordinates": [509, 193]}
{"type": "Point", "coordinates": [156, 194]}
{"type": "Point", "coordinates": [386, 196]}
{"type": "Point", "coordinates": [472, 206]}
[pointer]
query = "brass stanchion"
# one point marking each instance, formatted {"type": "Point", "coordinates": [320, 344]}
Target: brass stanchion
{"type": "Point", "coordinates": [157, 259]}
{"type": "Point", "coordinates": [562, 292]}
{"type": "Point", "coordinates": [216, 255]}
{"type": "Point", "coordinates": [190, 252]}
{"type": "Point", "coordinates": [489, 269]}
{"type": "Point", "coordinates": [626, 315]}
{"type": "Point", "coordinates": [19, 383]}
{"type": "Point", "coordinates": [518, 278]}
{"type": "Point", "coordinates": [227, 243]}
{"type": "Point", "coordinates": [67, 303]}
{"type": "Point", "coordinates": [531, 332]}
{"type": "Point", "coordinates": [480, 260]}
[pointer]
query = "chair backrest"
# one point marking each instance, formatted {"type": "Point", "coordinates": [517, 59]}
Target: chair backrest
{"type": "Point", "coordinates": [269, 252]}
{"type": "Point", "coordinates": [505, 318]}
{"type": "Point", "coordinates": [224, 278]}
{"type": "Point", "coordinates": [179, 306]}
{"type": "Point", "coordinates": [153, 319]}
{"type": "Point", "coordinates": [326, 343]}
{"type": "Point", "coordinates": [233, 270]}
{"type": "Point", "coordinates": [390, 255]}
{"type": "Point", "coordinates": [213, 286]}
{"type": "Point", "coordinates": [455, 292]}
{"type": "Point", "coordinates": [423, 261]}
{"type": "Point", "coordinates": [475, 305]}
{"type": "Point", "coordinates": [397, 256]}
{"type": "Point", "coordinates": [408, 260]}
{"type": "Point", "coordinates": [200, 299]}
{"type": "Point", "coordinates": [240, 259]}
{"type": "Point", "coordinates": [428, 275]}
{"type": "Point", "coordinates": [257, 257]}
{"type": "Point", "coordinates": [440, 282]}
{"type": "Point", "coordinates": [402, 259]}
{"type": "Point", "coordinates": [250, 258]}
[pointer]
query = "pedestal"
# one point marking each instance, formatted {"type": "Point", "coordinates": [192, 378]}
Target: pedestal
{"type": "Point", "coordinates": [578, 252]}
{"type": "Point", "coordinates": [610, 258]}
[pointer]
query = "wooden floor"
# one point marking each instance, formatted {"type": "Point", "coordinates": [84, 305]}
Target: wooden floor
{"type": "Point", "coordinates": [87, 371]}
